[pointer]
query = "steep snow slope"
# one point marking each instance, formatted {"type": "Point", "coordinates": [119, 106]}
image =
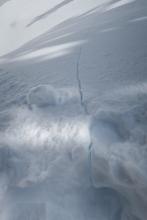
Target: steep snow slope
{"type": "Point", "coordinates": [73, 110]}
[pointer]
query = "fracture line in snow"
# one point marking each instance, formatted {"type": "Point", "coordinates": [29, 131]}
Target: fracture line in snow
{"type": "Point", "coordinates": [79, 83]}
{"type": "Point", "coordinates": [90, 161]}
{"type": "Point", "coordinates": [84, 108]}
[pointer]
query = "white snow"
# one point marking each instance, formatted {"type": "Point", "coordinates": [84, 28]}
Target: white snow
{"type": "Point", "coordinates": [73, 110]}
{"type": "Point", "coordinates": [119, 4]}
{"type": "Point", "coordinates": [47, 95]}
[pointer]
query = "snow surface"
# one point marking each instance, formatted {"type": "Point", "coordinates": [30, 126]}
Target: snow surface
{"type": "Point", "coordinates": [73, 110]}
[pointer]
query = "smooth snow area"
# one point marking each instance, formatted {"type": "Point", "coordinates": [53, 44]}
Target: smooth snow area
{"type": "Point", "coordinates": [40, 17]}
{"type": "Point", "coordinates": [73, 110]}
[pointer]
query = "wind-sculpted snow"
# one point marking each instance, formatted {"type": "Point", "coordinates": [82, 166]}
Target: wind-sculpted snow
{"type": "Point", "coordinates": [45, 163]}
{"type": "Point", "coordinates": [10, 90]}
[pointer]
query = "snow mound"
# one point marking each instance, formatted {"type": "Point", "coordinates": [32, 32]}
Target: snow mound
{"type": "Point", "coordinates": [118, 157]}
{"type": "Point", "coordinates": [47, 95]}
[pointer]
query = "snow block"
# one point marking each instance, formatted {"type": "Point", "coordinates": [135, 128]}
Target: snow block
{"type": "Point", "coordinates": [104, 132]}
{"type": "Point", "coordinates": [47, 95]}
{"type": "Point", "coordinates": [42, 95]}
{"type": "Point", "coordinates": [118, 157]}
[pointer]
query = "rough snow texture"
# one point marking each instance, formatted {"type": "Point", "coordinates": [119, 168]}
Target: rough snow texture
{"type": "Point", "coordinates": [119, 157]}
{"type": "Point", "coordinates": [73, 110]}
{"type": "Point", "coordinates": [48, 147]}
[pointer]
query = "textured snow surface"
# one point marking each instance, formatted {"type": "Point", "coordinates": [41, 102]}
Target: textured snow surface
{"type": "Point", "coordinates": [46, 162]}
{"type": "Point", "coordinates": [73, 110]}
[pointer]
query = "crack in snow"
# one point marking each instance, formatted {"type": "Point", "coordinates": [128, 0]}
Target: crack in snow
{"type": "Point", "coordinates": [80, 84]}
{"type": "Point", "coordinates": [84, 108]}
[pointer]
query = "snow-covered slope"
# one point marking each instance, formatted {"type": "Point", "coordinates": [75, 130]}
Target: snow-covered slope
{"type": "Point", "coordinates": [73, 109]}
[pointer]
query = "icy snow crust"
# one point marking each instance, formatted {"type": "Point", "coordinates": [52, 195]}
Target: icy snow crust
{"type": "Point", "coordinates": [73, 110]}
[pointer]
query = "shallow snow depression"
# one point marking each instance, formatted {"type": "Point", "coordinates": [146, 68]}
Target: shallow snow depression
{"type": "Point", "coordinates": [55, 157]}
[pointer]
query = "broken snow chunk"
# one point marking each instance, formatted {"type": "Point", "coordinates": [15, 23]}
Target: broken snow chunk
{"type": "Point", "coordinates": [47, 95]}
